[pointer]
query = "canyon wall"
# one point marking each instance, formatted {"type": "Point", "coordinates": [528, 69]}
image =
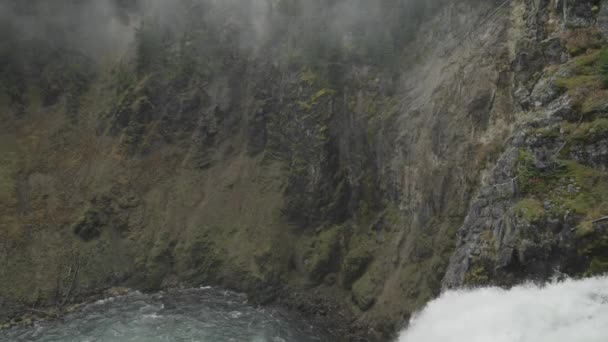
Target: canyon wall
{"type": "Point", "coordinates": [351, 171]}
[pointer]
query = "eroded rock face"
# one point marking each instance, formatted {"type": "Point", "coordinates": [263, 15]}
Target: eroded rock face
{"type": "Point", "coordinates": [580, 13]}
{"type": "Point", "coordinates": [602, 18]}
{"type": "Point", "coordinates": [541, 205]}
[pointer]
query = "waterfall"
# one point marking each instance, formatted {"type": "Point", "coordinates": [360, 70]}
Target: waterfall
{"type": "Point", "coordinates": [567, 311]}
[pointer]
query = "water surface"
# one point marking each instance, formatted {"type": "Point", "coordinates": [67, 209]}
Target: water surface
{"type": "Point", "coordinates": [197, 315]}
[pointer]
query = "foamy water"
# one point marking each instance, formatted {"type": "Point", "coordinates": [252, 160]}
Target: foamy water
{"type": "Point", "coordinates": [569, 311]}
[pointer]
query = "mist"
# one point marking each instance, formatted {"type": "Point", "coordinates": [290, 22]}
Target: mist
{"type": "Point", "coordinates": [107, 27]}
{"type": "Point", "coordinates": [573, 310]}
{"type": "Point", "coordinates": [61, 46]}
{"type": "Point", "coordinates": [94, 27]}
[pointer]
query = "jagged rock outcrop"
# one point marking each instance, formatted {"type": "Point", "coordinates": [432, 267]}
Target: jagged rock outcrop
{"type": "Point", "coordinates": [540, 211]}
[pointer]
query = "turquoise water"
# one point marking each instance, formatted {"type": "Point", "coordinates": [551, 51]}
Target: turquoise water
{"type": "Point", "coordinates": [196, 315]}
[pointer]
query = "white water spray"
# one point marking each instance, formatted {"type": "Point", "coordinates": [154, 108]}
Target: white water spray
{"type": "Point", "coordinates": [569, 311]}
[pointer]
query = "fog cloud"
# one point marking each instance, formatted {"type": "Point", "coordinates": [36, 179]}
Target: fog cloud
{"type": "Point", "coordinates": [102, 27]}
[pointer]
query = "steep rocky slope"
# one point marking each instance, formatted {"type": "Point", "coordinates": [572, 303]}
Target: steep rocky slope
{"type": "Point", "coordinates": [343, 178]}
{"type": "Point", "coordinates": [541, 210]}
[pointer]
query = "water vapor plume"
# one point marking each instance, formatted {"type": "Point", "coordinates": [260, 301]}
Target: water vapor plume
{"type": "Point", "coordinates": [573, 310]}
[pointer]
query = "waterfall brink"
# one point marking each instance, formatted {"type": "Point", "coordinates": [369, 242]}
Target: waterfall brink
{"type": "Point", "coordinates": [572, 310]}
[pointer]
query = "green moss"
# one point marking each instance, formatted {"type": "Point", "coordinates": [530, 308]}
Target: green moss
{"type": "Point", "coordinates": [584, 229]}
{"type": "Point", "coordinates": [530, 209]}
{"type": "Point", "coordinates": [524, 158]}
{"type": "Point", "coordinates": [580, 40]}
{"type": "Point", "coordinates": [584, 175]}
{"type": "Point", "coordinates": [577, 81]}
{"type": "Point", "coordinates": [548, 132]}
{"type": "Point", "coordinates": [591, 201]}
{"type": "Point", "coordinates": [392, 216]}
{"type": "Point", "coordinates": [309, 104]}
{"type": "Point", "coordinates": [530, 179]}
{"type": "Point", "coordinates": [598, 266]}
{"type": "Point", "coordinates": [594, 247]}
{"type": "Point", "coordinates": [587, 80]}
{"type": "Point", "coordinates": [364, 291]}
{"type": "Point", "coordinates": [585, 64]}
{"type": "Point", "coordinates": [321, 257]}
{"type": "Point", "coordinates": [309, 77]}
{"type": "Point", "coordinates": [594, 101]}
{"type": "Point", "coordinates": [89, 226]}
{"type": "Point", "coordinates": [478, 275]}
{"type": "Point", "coordinates": [568, 186]}
{"type": "Point", "coordinates": [372, 108]}
{"type": "Point", "coordinates": [368, 203]}
{"type": "Point", "coordinates": [582, 203]}
{"type": "Point", "coordinates": [359, 256]}
{"type": "Point", "coordinates": [590, 131]}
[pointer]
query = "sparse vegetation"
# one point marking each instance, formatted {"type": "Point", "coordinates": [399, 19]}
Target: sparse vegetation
{"type": "Point", "coordinates": [530, 209]}
{"type": "Point", "coordinates": [588, 131]}
{"type": "Point", "coordinates": [477, 276]}
{"type": "Point", "coordinates": [531, 179]}
{"type": "Point", "coordinates": [310, 103]}
{"type": "Point", "coordinates": [587, 80]}
{"type": "Point", "coordinates": [580, 40]}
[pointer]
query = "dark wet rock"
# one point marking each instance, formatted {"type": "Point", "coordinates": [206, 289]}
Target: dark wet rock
{"type": "Point", "coordinates": [257, 134]}
{"type": "Point", "coordinates": [354, 266]}
{"type": "Point", "coordinates": [581, 13]}
{"type": "Point", "coordinates": [562, 108]}
{"type": "Point", "coordinates": [480, 108]}
{"type": "Point", "coordinates": [594, 154]}
{"type": "Point", "coordinates": [516, 228]}
{"type": "Point", "coordinates": [90, 225]}
{"type": "Point", "coordinates": [602, 18]}
{"type": "Point", "coordinates": [554, 50]}
{"type": "Point", "coordinates": [364, 297]}
{"type": "Point", "coordinates": [544, 92]}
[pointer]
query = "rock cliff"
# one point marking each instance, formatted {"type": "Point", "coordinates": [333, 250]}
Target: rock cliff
{"type": "Point", "coordinates": [350, 171]}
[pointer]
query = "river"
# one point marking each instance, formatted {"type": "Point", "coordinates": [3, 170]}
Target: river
{"type": "Point", "coordinates": [195, 315]}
